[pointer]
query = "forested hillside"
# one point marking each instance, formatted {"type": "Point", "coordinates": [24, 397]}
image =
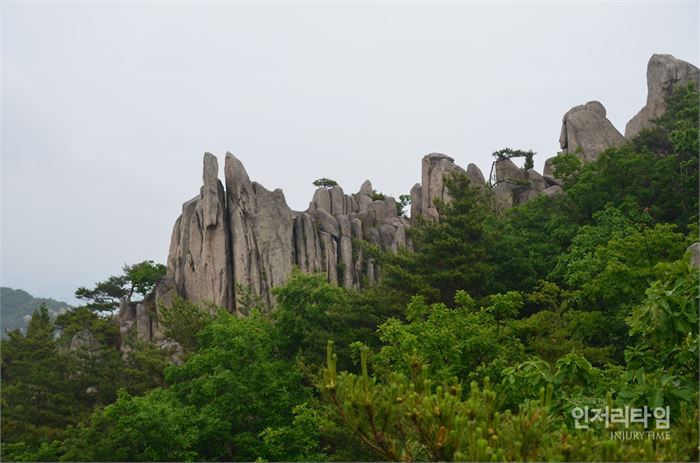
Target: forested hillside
{"type": "Point", "coordinates": [17, 306]}
{"type": "Point", "coordinates": [494, 340]}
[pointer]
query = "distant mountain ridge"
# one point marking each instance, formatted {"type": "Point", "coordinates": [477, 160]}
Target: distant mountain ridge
{"type": "Point", "coordinates": [17, 307]}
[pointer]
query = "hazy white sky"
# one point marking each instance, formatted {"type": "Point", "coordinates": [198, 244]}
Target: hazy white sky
{"type": "Point", "coordinates": [107, 108]}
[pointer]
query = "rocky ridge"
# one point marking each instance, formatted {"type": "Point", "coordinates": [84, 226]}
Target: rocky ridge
{"type": "Point", "coordinates": [238, 237]}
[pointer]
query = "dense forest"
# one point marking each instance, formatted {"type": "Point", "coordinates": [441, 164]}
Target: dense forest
{"type": "Point", "coordinates": [501, 337]}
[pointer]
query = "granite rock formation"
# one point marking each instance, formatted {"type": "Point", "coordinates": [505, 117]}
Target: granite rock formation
{"type": "Point", "coordinates": [514, 186]}
{"type": "Point", "coordinates": [236, 238]}
{"type": "Point", "coordinates": [586, 131]}
{"type": "Point", "coordinates": [246, 238]}
{"type": "Point", "coordinates": [664, 73]}
{"type": "Point", "coordinates": [432, 189]}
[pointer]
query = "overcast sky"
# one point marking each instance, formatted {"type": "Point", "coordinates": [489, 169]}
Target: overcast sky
{"type": "Point", "coordinates": [108, 108]}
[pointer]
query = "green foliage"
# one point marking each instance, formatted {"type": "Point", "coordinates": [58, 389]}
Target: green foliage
{"type": "Point", "coordinates": [143, 276]}
{"type": "Point", "coordinates": [378, 196]}
{"type": "Point", "coordinates": [153, 427]}
{"type": "Point", "coordinates": [611, 262]}
{"type": "Point", "coordinates": [309, 311]}
{"type": "Point", "coordinates": [140, 278]}
{"type": "Point", "coordinates": [474, 346]}
{"type": "Point", "coordinates": [234, 389]}
{"type": "Point", "coordinates": [408, 419]}
{"type": "Point", "coordinates": [525, 242]}
{"type": "Point", "coordinates": [450, 254]}
{"type": "Point", "coordinates": [37, 399]}
{"type": "Point", "coordinates": [507, 153]}
{"type": "Point", "coordinates": [567, 167]}
{"type": "Point", "coordinates": [325, 183]}
{"type": "Point", "coordinates": [459, 342]}
{"type": "Point", "coordinates": [658, 170]}
{"type": "Point", "coordinates": [182, 320]}
{"type": "Point", "coordinates": [16, 304]}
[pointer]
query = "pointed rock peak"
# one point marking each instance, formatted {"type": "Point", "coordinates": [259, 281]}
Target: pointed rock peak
{"type": "Point", "coordinates": [474, 174]}
{"type": "Point", "coordinates": [211, 168]}
{"type": "Point", "coordinates": [366, 188]}
{"type": "Point", "coordinates": [234, 171]}
{"type": "Point", "coordinates": [664, 73]}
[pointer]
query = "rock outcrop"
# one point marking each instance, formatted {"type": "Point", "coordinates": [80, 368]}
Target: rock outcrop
{"type": "Point", "coordinates": [245, 238]}
{"type": "Point", "coordinates": [200, 248]}
{"type": "Point", "coordinates": [239, 239]}
{"type": "Point", "coordinates": [432, 189]}
{"type": "Point", "coordinates": [514, 186]}
{"type": "Point", "coordinates": [585, 131]}
{"type": "Point", "coordinates": [664, 73]}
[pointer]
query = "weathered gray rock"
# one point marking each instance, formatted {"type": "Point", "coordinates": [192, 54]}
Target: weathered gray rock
{"type": "Point", "coordinates": [337, 201]}
{"type": "Point", "coordinates": [200, 244]}
{"type": "Point", "coordinates": [363, 201]}
{"type": "Point", "coordinates": [366, 188]}
{"type": "Point", "coordinates": [307, 253]}
{"type": "Point", "coordinates": [474, 174]}
{"type": "Point", "coordinates": [377, 210]}
{"type": "Point", "coordinates": [535, 180]}
{"type": "Point", "coordinates": [321, 200]}
{"type": "Point", "coordinates": [553, 191]}
{"type": "Point", "coordinates": [434, 167]}
{"type": "Point", "coordinates": [329, 256]}
{"type": "Point", "coordinates": [509, 180]}
{"type": "Point", "coordinates": [664, 73]}
{"type": "Point", "coordinates": [535, 185]}
{"type": "Point", "coordinates": [694, 250]}
{"type": "Point", "coordinates": [326, 223]}
{"type": "Point", "coordinates": [548, 170]}
{"type": "Point", "coordinates": [416, 200]}
{"type": "Point", "coordinates": [261, 230]}
{"type": "Point", "coordinates": [347, 277]}
{"type": "Point", "coordinates": [586, 132]}
{"type": "Point", "coordinates": [552, 181]}
{"type": "Point", "coordinates": [508, 172]}
{"type": "Point", "coordinates": [503, 193]}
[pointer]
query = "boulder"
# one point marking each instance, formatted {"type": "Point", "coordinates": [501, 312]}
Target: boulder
{"type": "Point", "coordinates": [366, 188]}
{"type": "Point", "coordinates": [475, 176]}
{"type": "Point", "coordinates": [507, 171]}
{"type": "Point", "coordinates": [586, 132]}
{"type": "Point", "coordinates": [548, 170]}
{"type": "Point", "coordinates": [321, 200]}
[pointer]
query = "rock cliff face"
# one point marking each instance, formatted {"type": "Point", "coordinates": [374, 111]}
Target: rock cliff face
{"type": "Point", "coordinates": [200, 247]}
{"type": "Point", "coordinates": [245, 238]}
{"type": "Point", "coordinates": [664, 73]}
